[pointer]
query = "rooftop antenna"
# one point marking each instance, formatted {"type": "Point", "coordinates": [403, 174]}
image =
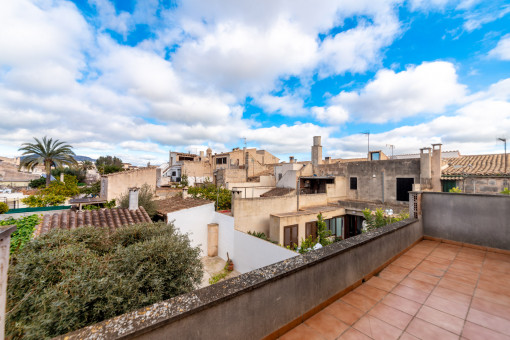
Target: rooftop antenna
{"type": "Point", "coordinates": [244, 138]}
{"type": "Point", "coordinates": [391, 146]}
{"type": "Point", "coordinates": [368, 146]}
{"type": "Point", "coordinates": [504, 141]}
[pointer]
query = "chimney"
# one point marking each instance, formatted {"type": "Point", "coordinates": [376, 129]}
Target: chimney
{"type": "Point", "coordinates": [316, 151]}
{"type": "Point", "coordinates": [62, 177]}
{"type": "Point", "coordinates": [425, 168]}
{"type": "Point", "coordinates": [133, 198]}
{"type": "Point", "coordinates": [201, 154]}
{"type": "Point", "coordinates": [327, 160]}
{"type": "Point", "coordinates": [185, 193]}
{"type": "Point", "coordinates": [436, 167]}
{"type": "Point", "coordinates": [291, 159]}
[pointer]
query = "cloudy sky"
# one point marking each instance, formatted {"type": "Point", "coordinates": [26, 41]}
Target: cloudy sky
{"type": "Point", "coordinates": [138, 78]}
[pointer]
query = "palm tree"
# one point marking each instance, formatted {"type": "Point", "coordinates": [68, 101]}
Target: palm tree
{"type": "Point", "coordinates": [47, 152]}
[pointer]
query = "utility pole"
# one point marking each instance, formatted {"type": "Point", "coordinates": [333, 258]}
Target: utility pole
{"type": "Point", "coordinates": [504, 141]}
{"type": "Point", "coordinates": [391, 146]}
{"type": "Point", "coordinates": [368, 146]}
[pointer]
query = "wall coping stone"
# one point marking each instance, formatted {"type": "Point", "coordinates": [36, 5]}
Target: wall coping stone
{"type": "Point", "coordinates": [168, 311]}
{"type": "Point", "coordinates": [6, 231]}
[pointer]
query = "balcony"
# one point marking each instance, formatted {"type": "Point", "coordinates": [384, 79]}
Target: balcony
{"type": "Point", "coordinates": [444, 273]}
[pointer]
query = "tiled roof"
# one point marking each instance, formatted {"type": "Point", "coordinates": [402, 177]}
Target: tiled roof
{"type": "Point", "coordinates": [102, 218]}
{"type": "Point", "coordinates": [178, 203]}
{"type": "Point", "coordinates": [277, 192]}
{"type": "Point", "coordinates": [477, 165]}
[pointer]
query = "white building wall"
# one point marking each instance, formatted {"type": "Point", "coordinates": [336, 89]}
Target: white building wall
{"type": "Point", "coordinates": [252, 252]}
{"type": "Point", "coordinates": [288, 180]}
{"type": "Point", "coordinates": [225, 235]}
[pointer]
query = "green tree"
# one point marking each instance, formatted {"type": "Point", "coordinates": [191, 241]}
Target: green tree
{"type": "Point", "coordinates": [48, 153]}
{"type": "Point", "coordinates": [55, 194]}
{"type": "Point", "coordinates": [109, 164]}
{"type": "Point", "coordinates": [145, 199]}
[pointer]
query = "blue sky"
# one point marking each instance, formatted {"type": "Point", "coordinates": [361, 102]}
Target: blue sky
{"type": "Point", "coordinates": [139, 78]}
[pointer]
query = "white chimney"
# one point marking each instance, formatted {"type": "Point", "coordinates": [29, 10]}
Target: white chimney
{"type": "Point", "coordinates": [133, 198]}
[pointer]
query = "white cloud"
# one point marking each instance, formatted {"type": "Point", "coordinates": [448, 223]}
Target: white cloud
{"type": "Point", "coordinates": [287, 105]}
{"type": "Point", "coordinates": [502, 49]}
{"type": "Point", "coordinates": [427, 88]}
{"type": "Point", "coordinates": [331, 115]}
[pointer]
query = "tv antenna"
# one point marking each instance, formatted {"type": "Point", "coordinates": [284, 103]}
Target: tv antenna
{"type": "Point", "coordinates": [392, 147]}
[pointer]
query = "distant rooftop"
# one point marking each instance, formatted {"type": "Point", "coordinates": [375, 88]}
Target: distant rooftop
{"type": "Point", "coordinates": [476, 165]}
{"type": "Point", "coordinates": [177, 203]}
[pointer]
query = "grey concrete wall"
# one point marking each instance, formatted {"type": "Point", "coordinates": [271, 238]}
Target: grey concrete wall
{"type": "Point", "coordinates": [255, 304]}
{"type": "Point", "coordinates": [476, 219]}
{"type": "Point", "coordinates": [371, 188]}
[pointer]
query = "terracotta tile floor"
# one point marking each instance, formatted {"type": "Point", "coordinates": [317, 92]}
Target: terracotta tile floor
{"type": "Point", "coordinates": [433, 291]}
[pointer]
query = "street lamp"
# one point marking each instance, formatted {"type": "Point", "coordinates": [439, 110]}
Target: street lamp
{"type": "Point", "coordinates": [504, 141]}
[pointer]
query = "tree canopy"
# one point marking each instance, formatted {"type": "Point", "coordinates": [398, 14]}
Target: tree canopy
{"type": "Point", "coordinates": [109, 164]}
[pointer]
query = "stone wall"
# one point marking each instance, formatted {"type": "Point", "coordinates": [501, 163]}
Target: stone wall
{"type": "Point", "coordinates": [483, 185]}
{"type": "Point", "coordinates": [113, 186]}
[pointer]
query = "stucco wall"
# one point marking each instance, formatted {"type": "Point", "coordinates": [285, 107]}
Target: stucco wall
{"type": "Point", "coordinates": [252, 214]}
{"type": "Point", "coordinates": [5, 241]}
{"type": "Point", "coordinates": [469, 218]}
{"type": "Point", "coordinates": [481, 185]}
{"type": "Point", "coordinates": [252, 252]}
{"type": "Point", "coordinates": [113, 186]}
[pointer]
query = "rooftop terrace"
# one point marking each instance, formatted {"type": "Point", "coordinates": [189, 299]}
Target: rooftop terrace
{"type": "Point", "coordinates": [434, 291]}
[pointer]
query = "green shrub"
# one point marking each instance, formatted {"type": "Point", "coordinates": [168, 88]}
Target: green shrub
{"type": "Point", "coordinates": [506, 191]}
{"type": "Point", "coordinates": [37, 183]}
{"type": "Point", "coordinates": [455, 190]}
{"type": "Point", "coordinates": [376, 219]}
{"type": "Point", "coordinates": [145, 199]}
{"type": "Point", "coordinates": [67, 279]}
{"type": "Point", "coordinates": [3, 208]}
{"type": "Point", "coordinates": [210, 192]}
{"type": "Point", "coordinates": [92, 189]}
{"type": "Point", "coordinates": [25, 227]}
{"type": "Point", "coordinates": [55, 194]}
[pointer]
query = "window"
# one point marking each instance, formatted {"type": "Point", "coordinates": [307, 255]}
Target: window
{"type": "Point", "coordinates": [221, 160]}
{"type": "Point", "coordinates": [174, 173]}
{"type": "Point", "coordinates": [335, 225]}
{"type": "Point", "coordinates": [311, 230]}
{"type": "Point", "coordinates": [290, 236]}
{"type": "Point", "coordinates": [375, 156]}
{"type": "Point", "coordinates": [354, 183]}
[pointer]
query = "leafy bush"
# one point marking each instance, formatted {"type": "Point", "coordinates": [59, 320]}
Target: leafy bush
{"type": "Point", "coordinates": [145, 199]}
{"type": "Point", "coordinates": [93, 189]}
{"type": "Point", "coordinates": [376, 219]}
{"type": "Point", "coordinates": [77, 172]}
{"type": "Point", "coordinates": [455, 190]}
{"type": "Point", "coordinates": [55, 194]}
{"type": "Point", "coordinates": [261, 235]}
{"type": "Point", "coordinates": [3, 208]}
{"type": "Point", "coordinates": [25, 227]}
{"type": "Point", "coordinates": [184, 180]}
{"type": "Point", "coordinates": [210, 192]}
{"type": "Point", "coordinates": [506, 191]}
{"type": "Point", "coordinates": [68, 279]}
{"type": "Point", "coordinates": [37, 183]}
{"type": "Point", "coordinates": [109, 165]}
{"type": "Point", "coordinates": [323, 233]}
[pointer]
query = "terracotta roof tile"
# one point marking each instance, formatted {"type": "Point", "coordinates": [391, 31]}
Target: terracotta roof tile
{"type": "Point", "coordinates": [178, 203]}
{"type": "Point", "coordinates": [476, 165]}
{"type": "Point", "coordinates": [103, 218]}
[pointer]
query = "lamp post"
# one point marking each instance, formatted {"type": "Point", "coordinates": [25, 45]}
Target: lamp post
{"type": "Point", "coordinates": [504, 141]}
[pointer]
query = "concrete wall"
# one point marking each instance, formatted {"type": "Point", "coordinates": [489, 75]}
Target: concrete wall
{"type": "Point", "coordinates": [252, 252]}
{"type": "Point", "coordinates": [256, 304]}
{"type": "Point", "coordinates": [252, 214]}
{"type": "Point", "coordinates": [476, 219]}
{"type": "Point", "coordinates": [371, 182]}
{"type": "Point", "coordinates": [113, 186]}
{"type": "Point", "coordinates": [194, 221]}
{"type": "Point", "coordinates": [251, 192]}
{"type": "Point", "coordinates": [288, 180]}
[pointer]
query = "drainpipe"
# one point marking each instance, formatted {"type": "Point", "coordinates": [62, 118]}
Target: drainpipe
{"type": "Point", "coordinates": [382, 183]}
{"type": "Point", "coordinates": [298, 189]}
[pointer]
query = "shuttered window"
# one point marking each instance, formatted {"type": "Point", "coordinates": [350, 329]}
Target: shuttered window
{"type": "Point", "coordinates": [311, 229]}
{"type": "Point", "coordinates": [290, 236]}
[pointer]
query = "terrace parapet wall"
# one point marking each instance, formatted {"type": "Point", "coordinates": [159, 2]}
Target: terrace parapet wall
{"type": "Point", "coordinates": [257, 304]}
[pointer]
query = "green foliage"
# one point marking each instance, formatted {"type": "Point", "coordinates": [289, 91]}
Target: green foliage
{"type": "Point", "coordinates": [145, 199]}
{"type": "Point", "coordinates": [3, 208]}
{"type": "Point", "coordinates": [91, 207]}
{"type": "Point", "coordinates": [55, 194]}
{"type": "Point", "coordinates": [37, 183]}
{"type": "Point", "coordinates": [455, 190]}
{"type": "Point", "coordinates": [307, 244]}
{"type": "Point", "coordinates": [109, 205]}
{"type": "Point", "coordinates": [25, 227]}
{"type": "Point", "coordinates": [109, 164]}
{"type": "Point", "coordinates": [376, 219]}
{"type": "Point", "coordinates": [77, 172]}
{"type": "Point", "coordinates": [220, 276]}
{"type": "Point", "coordinates": [67, 279]}
{"type": "Point", "coordinates": [323, 233]}
{"type": "Point", "coordinates": [93, 189]}
{"type": "Point", "coordinates": [47, 152]}
{"type": "Point", "coordinates": [210, 192]}
{"type": "Point", "coordinates": [261, 235]}
{"type": "Point", "coordinates": [184, 180]}
{"type": "Point", "coordinates": [506, 191]}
